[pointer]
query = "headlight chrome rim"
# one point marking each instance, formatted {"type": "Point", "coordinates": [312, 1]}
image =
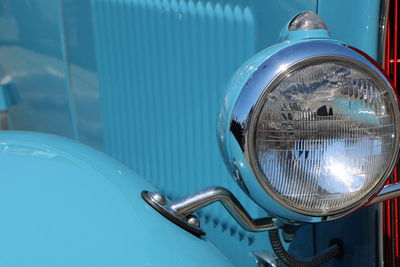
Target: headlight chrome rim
{"type": "Point", "coordinates": [248, 107]}
{"type": "Point", "coordinates": [257, 112]}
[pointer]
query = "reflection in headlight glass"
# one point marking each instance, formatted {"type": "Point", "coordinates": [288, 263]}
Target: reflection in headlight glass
{"type": "Point", "coordinates": [324, 136]}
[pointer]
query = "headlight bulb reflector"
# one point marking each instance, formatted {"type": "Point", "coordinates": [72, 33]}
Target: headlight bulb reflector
{"type": "Point", "coordinates": [323, 136]}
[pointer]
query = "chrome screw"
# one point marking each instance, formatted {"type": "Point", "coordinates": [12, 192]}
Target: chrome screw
{"type": "Point", "coordinates": [193, 221]}
{"type": "Point", "coordinates": [158, 198]}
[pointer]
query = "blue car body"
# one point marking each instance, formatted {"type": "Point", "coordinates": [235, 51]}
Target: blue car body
{"type": "Point", "coordinates": [143, 81]}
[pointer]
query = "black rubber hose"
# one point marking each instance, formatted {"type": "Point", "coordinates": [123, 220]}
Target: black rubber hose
{"type": "Point", "coordinates": [333, 251]}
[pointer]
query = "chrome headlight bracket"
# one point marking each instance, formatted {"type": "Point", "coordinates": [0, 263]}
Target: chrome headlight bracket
{"type": "Point", "coordinates": [181, 211]}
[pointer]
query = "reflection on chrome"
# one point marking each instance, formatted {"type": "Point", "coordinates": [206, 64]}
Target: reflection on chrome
{"type": "Point", "coordinates": [323, 136]}
{"type": "Point", "coordinates": [315, 126]}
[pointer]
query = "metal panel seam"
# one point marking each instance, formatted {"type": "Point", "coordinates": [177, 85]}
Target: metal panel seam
{"type": "Point", "coordinates": [67, 71]}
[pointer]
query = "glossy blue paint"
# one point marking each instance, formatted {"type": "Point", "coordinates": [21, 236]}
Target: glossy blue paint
{"type": "Point", "coordinates": [157, 81]}
{"type": "Point", "coordinates": [64, 204]}
{"type": "Point", "coordinates": [4, 99]}
{"type": "Point", "coordinates": [117, 44]}
{"type": "Point", "coordinates": [161, 87]}
{"type": "Point", "coordinates": [31, 57]}
{"type": "Point", "coordinates": [355, 22]}
{"type": "Point", "coordinates": [359, 234]}
{"type": "Point", "coordinates": [309, 34]}
{"type": "Point", "coordinates": [82, 67]}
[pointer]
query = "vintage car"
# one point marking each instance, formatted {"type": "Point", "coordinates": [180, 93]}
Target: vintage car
{"type": "Point", "coordinates": [199, 133]}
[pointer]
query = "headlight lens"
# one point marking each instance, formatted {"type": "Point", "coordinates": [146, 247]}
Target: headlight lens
{"type": "Point", "coordinates": [324, 135]}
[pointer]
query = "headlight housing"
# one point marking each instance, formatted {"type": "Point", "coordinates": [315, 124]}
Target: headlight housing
{"type": "Point", "coordinates": [309, 130]}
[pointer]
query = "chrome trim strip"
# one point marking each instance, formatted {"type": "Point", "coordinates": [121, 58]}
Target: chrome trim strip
{"type": "Point", "coordinates": [388, 192]}
{"type": "Point", "coordinates": [383, 19]}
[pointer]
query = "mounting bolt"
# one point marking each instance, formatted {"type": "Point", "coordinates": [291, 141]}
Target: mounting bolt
{"type": "Point", "coordinates": [193, 221]}
{"type": "Point", "coordinates": [288, 237]}
{"type": "Point", "coordinates": [289, 232]}
{"type": "Point", "coordinates": [158, 198]}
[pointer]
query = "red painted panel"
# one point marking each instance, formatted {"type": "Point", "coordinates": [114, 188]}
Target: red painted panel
{"type": "Point", "coordinates": [391, 208]}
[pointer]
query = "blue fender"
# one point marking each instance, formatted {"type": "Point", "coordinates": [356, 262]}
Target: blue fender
{"type": "Point", "coordinates": [64, 204]}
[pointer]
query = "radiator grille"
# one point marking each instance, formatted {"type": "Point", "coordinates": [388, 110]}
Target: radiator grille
{"type": "Point", "coordinates": [391, 208]}
{"type": "Point", "coordinates": [163, 66]}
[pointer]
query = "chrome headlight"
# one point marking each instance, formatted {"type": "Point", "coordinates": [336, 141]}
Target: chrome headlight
{"type": "Point", "coordinates": [310, 130]}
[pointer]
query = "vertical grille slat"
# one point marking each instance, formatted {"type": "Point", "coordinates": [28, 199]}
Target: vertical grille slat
{"type": "Point", "coordinates": [391, 208]}
{"type": "Point", "coordinates": [163, 66]}
{"type": "Point", "coordinates": [395, 42]}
